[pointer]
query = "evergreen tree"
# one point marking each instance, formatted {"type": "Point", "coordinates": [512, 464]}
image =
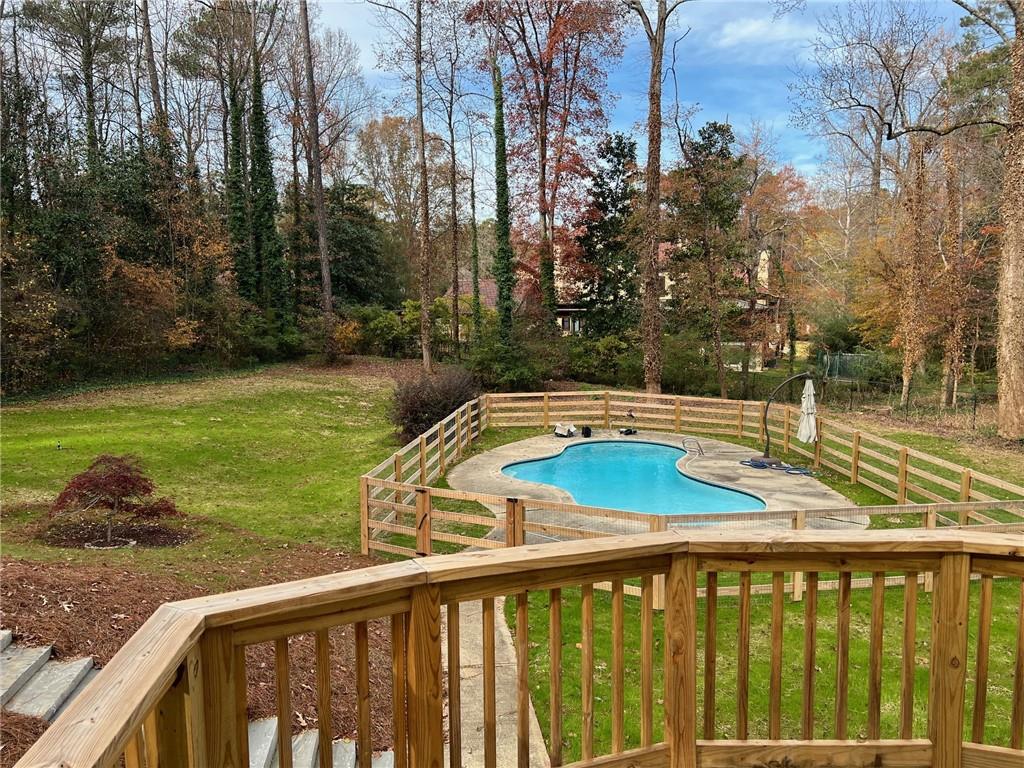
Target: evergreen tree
{"type": "Point", "coordinates": [611, 291]}
{"type": "Point", "coordinates": [504, 267]}
{"type": "Point", "coordinates": [238, 204]}
{"type": "Point", "coordinates": [272, 279]}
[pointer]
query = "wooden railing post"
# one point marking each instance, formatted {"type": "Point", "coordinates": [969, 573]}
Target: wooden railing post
{"type": "Point", "coordinates": [423, 535]}
{"type": "Point", "coordinates": [179, 733]}
{"type": "Point", "coordinates": [901, 478]}
{"type": "Point", "coordinates": [364, 516]}
{"type": "Point", "coordinates": [223, 682]}
{"type": "Point", "coordinates": [423, 678]}
{"type": "Point", "coordinates": [547, 410]}
{"type": "Point", "coordinates": [799, 524]}
{"type": "Point", "coordinates": [681, 661]}
{"type": "Point", "coordinates": [948, 676]}
{"type": "Point", "coordinates": [929, 523]}
{"type": "Point", "coordinates": [607, 410]}
{"type": "Point", "coordinates": [423, 459]}
{"type": "Point", "coordinates": [657, 523]}
{"type": "Point", "coordinates": [855, 458]}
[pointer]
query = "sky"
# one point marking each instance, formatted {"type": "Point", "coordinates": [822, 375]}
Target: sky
{"type": "Point", "coordinates": [735, 63]}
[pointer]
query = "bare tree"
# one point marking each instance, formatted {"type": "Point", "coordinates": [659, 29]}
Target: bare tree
{"type": "Point", "coordinates": [650, 274]}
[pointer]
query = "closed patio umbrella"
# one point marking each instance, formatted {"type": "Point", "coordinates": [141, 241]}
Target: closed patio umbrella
{"type": "Point", "coordinates": [807, 431]}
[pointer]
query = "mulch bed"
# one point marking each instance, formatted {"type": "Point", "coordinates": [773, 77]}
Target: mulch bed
{"type": "Point", "coordinates": [80, 533]}
{"type": "Point", "coordinates": [92, 610]}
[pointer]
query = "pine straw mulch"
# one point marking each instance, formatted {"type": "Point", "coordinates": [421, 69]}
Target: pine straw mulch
{"type": "Point", "coordinates": [17, 734]}
{"type": "Point", "coordinates": [92, 610]}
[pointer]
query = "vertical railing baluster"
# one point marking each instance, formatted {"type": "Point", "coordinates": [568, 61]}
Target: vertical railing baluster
{"type": "Point", "coordinates": [618, 667]}
{"type": "Point", "coordinates": [423, 678]}
{"type": "Point", "coordinates": [843, 653]}
{"type": "Point", "coordinates": [743, 658]}
{"type": "Point", "coordinates": [810, 655]}
{"type": "Point", "coordinates": [587, 669]}
{"type": "Point", "coordinates": [646, 660]}
{"type": "Point", "coordinates": [909, 655]}
{"type": "Point", "coordinates": [490, 706]}
{"type": "Point", "coordinates": [949, 660]}
{"type": "Point", "coordinates": [399, 720]}
{"type": "Point", "coordinates": [775, 667]}
{"type": "Point", "coordinates": [710, 652]}
{"type": "Point", "coordinates": [875, 655]}
{"type": "Point", "coordinates": [981, 669]}
{"type": "Point", "coordinates": [681, 656]}
{"type": "Point", "coordinates": [523, 680]}
{"type": "Point", "coordinates": [325, 716]}
{"type": "Point", "coordinates": [364, 743]}
{"type": "Point", "coordinates": [454, 685]}
{"type": "Point", "coordinates": [282, 674]}
{"type": "Point", "coordinates": [555, 674]}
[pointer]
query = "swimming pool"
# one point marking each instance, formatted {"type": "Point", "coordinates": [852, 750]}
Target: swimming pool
{"type": "Point", "coordinates": [631, 475]}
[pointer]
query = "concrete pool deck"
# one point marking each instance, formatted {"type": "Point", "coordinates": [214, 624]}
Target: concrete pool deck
{"type": "Point", "coordinates": [720, 464]}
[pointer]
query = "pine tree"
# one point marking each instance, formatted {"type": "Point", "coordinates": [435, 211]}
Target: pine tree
{"type": "Point", "coordinates": [504, 268]}
{"type": "Point", "coordinates": [273, 281]}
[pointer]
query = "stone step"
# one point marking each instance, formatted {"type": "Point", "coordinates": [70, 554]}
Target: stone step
{"type": "Point", "coordinates": [344, 753]}
{"type": "Point", "coordinates": [262, 742]}
{"type": "Point", "coordinates": [17, 666]}
{"type": "Point", "coordinates": [384, 760]}
{"type": "Point", "coordinates": [6, 636]}
{"type": "Point", "coordinates": [45, 693]}
{"type": "Point", "coordinates": [81, 687]}
{"type": "Point", "coordinates": [305, 749]}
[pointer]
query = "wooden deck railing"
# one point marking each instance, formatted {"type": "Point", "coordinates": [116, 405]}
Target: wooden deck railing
{"type": "Point", "coordinates": [403, 515]}
{"type": "Point", "coordinates": [175, 695]}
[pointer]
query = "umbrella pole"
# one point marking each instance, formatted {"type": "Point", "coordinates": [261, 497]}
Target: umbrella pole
{"type": "Point", "coordinates": [766, 457]}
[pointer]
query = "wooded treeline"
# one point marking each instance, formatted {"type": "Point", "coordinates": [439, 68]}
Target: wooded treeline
{"type": "Point", "coordinates": [212, 183]}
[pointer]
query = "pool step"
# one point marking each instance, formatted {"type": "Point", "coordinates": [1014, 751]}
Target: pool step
{"type": "Point", "coordinates": [45, 692]}
{"type": "Point", "coordinates": [17, 666]}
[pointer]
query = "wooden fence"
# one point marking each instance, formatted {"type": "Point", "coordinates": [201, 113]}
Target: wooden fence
{"type": "Point", "coordinates": [403, 515]}
{"type": "Point", "coordinates": [176, 693]}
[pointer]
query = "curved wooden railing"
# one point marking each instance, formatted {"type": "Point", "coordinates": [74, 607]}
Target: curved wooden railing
{"type": "Point", "coordinates": [176, 692]}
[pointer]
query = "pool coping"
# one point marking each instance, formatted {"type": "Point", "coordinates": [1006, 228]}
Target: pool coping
{"type": "Point", "coordinates": [719, 466]}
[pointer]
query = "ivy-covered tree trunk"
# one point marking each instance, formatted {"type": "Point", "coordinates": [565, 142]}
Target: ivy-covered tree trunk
{"type": "Point", "coordinates": [504, 268]}
{"type": "Point", "coordinates": [238, 203]}
{"type": "Point", "coordinates": [424, 195]}
{"type": "Point", "coordinates": [474, 258]}
{"type": "Point", "coordinates": [268, 250]}
{"type": "Point", "coordinates": [1010, 342]}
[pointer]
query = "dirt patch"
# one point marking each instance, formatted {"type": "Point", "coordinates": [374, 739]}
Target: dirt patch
{"type": "Point", "coordinates": [81, 533]}
{"type": "Point", "coordinates": [92, 610]}
{"type": "Point", "coordinates": [17, 734]}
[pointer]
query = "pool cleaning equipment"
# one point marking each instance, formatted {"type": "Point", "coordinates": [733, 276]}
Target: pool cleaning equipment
{"type": "Point", "coordinates": [564, 430]}
{"type": "Point", "coordinates": [631, 475]}
{"type": "Point", "coordinates": [759, 463]}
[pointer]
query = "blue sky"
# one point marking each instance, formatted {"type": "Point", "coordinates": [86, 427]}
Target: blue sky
{"type": "Point", "coordinates": [735, 63]}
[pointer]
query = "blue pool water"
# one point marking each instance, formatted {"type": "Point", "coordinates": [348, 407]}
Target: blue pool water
{"type": "Point", "coordinates": [632, 476]}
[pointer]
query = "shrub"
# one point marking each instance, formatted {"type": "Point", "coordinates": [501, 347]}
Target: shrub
{"type": "Point", "coordinates": [507, 369]}
{"type": "Point", "coordinates": [387, 336]}
{"type": "Point", "coordinates": [113, 485]}
{"type": "Point", "coordinates": [345, 339]}
{"type": "Point", "coordinates": [421, 403]}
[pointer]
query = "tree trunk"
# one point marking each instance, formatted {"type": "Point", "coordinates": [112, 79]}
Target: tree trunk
{"type": "Point", "coordinates": [154, 79]}
{"type": "Point", "coordinates": [474, 247]}
{"type": "Point", "coordinates": [421, 152]}
{"type": "Point", "coordinates": [1010, 340]}
{"type": "Point", "coordinates": [504, 268]}
{"type": "Point", "coordinates": [546, 265]}
{"type": "Point", "coordinates": [454, 224]}
{"type": "Point", "coordinates": [650, 275]}
{"type": "Point", "coordinates": [316, 181]}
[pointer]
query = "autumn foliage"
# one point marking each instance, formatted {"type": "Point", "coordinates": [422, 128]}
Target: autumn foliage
{"type": "Point", "coordinates": [113, 486]}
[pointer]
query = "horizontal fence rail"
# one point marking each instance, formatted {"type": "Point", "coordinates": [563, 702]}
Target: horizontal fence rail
{"type": "Point", "coordinates": [724, 677]}
{"type": "Point", "coordinates": [403, 515]}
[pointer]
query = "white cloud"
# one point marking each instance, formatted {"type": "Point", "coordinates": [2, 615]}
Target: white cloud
{"type": "Point", "coordinates": [763, 31]}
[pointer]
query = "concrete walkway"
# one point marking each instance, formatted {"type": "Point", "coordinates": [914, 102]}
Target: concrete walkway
{"type": "Point", "coordinates": [472, 689]}
{"type": "Point", "coordinates": [719, 464]}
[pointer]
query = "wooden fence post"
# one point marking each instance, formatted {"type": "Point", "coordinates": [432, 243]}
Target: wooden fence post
{"type": "Point", "coordinates": [948, 676]}
{"type": "Point", "coordinates": [657, 523]}
{"type": "Point", "coordinates": [966, 482]}
{"type": "Point", "coordinates": [607, 410]}
{"type": "Point", "coordinates": [817, 442]}
{"type": "Point", "coordinates": [762, 425]}
{"type": "Point", "coordinates": [681, 662]}
{"type": "Point", "coordinates": [785, 432]}
{"type": "Point", "coordinates": [442, 464]}
{"type": "Point", "coordinates": [511, 522]}
{"type": "Point", "coordinates": [364, 516]}
{"type": "Point", "coordinates": [855, 458]}
{"type": "Point", "coordinates": [423, 678]}
{"type": "Point", "coordinates": [901, 478]}
{"type": "Point", "coordinates": [679, 414]}
{"type": "Point", "coordinates": [739, 420]}
{"type": "Point", "coordinates": [423, 459]}
{"type": "Point", "coordinates": [458, 431]}
{"type": "Point", "coordinates": [547, 410]}
{"type": "Point", "coordinates": [799, 524]}
{"type": "Point", "coordinates": [423, 534]}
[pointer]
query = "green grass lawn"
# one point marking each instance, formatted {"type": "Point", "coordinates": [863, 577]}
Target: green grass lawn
{"type": "Point", "coordinates": [277, 453]}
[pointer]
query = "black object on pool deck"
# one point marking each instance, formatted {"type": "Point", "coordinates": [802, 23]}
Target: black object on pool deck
{"type": "Point", "coordinates": [766, 458]}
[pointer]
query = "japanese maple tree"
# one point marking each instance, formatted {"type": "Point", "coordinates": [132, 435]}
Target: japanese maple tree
{"type": "Point", "coordinates": [115, 485]}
